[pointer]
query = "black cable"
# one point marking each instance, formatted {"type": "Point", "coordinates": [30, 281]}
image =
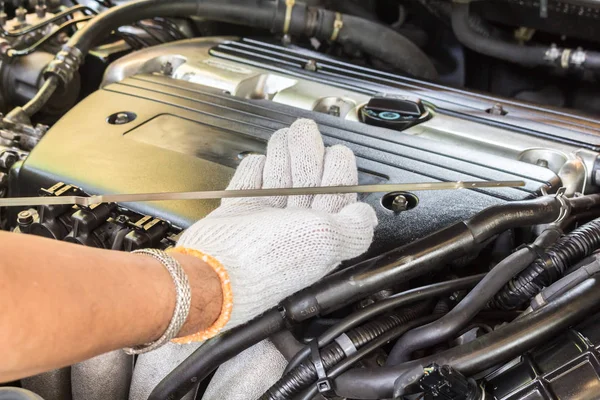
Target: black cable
{"type": "Point", "coordinates": [447, 326]}
{"type": "Point", "coordinates": [384, 339]}
{"type": "Point", "coordinates": [148, 30]}
{"type": "Point", "coordinates": [46, 38]}
{"type": "Point", "coordinates": [503, 344]}
{"type": "Point", "coordinates": [337, 290]}
{"type": "Point", "coordinates": [393, 302]}
{"type": "Point", "coordinates": [171, 27]}
{"type": "Point", "coordinates": [46, 22]}
{"type": "Point", "coordinates": [299, 378]}
{"type": "Point", "coordinates": [417, 258]}
{"type": "Point", "coordinates": [41, 98]}
{"type": "Point", "coordinates": [566, 252]}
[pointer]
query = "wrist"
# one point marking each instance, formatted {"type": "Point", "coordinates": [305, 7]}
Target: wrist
{"type": "Point", "coordinates": [207, 295]}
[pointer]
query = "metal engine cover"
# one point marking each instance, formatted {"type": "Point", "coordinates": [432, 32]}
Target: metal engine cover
{"type": "Point", "coordinates": [195, 110]}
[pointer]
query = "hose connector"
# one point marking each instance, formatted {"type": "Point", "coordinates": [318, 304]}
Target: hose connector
{"type": "Point", "coordinates": [65, 64]}
{"type": "Point", "coordinates": [565, 58]}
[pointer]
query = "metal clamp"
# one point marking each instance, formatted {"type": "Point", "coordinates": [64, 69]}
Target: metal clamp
{"type": "Point", "coordinates": [324, 385]}
{"type": "Point", "coordinates": [289, 6]}
{"type": "Point", "coordinates": [565, 207]}
{"type": "Point", "coordinates": [338, 24]}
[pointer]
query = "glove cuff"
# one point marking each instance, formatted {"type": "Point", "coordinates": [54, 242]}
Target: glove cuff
{"type": "Point", "coordinates": [227, 306]}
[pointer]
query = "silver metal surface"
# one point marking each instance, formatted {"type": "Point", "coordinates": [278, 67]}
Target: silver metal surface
{"type": "Point", "coordinates": [194, 61]}
{"type": "Point", "coordinates": [224, 194]}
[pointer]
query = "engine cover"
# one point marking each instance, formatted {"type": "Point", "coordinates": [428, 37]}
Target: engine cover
{"type": "Point", "coordinates": [191, 110]}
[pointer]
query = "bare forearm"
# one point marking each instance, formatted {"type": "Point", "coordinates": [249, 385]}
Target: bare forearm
{"type": "Point", "coordinates": [64, 303]}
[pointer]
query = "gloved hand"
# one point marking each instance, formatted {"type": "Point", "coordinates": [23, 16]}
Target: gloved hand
{"type": "Point", "coordinates": [273, 247]}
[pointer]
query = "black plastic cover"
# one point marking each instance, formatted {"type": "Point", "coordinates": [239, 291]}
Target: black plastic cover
{"type": "Point", "coordinates": [396, 113]}
{"type": "Point", "coordinates": [567, 368]}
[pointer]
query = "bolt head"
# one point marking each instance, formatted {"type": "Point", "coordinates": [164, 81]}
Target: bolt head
{"type": "Point", "coordinates": [121, 119]}
{"type": "Point", "coordinates": [25, 217]}
{"type": "Point", "coordinates": [400, 203]}
{"type": "Point", "coordinates": [8, 159]}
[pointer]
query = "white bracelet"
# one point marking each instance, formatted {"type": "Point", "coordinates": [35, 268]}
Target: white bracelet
{"type": "Point", "coordinates": [182, 303]}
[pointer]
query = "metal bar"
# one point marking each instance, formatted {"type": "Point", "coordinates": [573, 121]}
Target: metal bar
{"type": "Point", "coordinates": [224, 194]}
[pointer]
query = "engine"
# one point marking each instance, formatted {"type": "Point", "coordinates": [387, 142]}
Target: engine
{"type": "Point", "coordinates": [464, 293]}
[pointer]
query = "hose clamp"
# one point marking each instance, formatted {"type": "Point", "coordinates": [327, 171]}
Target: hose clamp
{"type": "Point", "coordinates": [565, 58]}
{"type": "Point", "coordinates": [338, 24]}
{"type": "Point", "coordinates": [65, 64]}
{"type": "Point", "coordinates": [565, 207]}
{"type": "Point", "coordinates": [289, 6]}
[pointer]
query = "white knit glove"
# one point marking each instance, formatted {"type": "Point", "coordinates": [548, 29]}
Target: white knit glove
{"type": "Point", "coordinates": [274, 247]}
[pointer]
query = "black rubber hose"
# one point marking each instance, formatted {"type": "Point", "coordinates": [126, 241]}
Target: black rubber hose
{"type": "Point", "coordinates": [364, 34]}
{"type": "Point", "coordinates": [340, 289]}
{"type": "Point", "coordinates": [393, 302]}
{"type": "Point", "coordinates": [418, 258]}
{"type": "Point", "coordinates": [544, 271]}
{"type": "Point", "coordinates": [41, 98]}
{"type": "Point", "coordinates": [214, 352]}
{"type": "Point", "coordinates": [303, 375]}
{"type": "Point", "coordinates": [449, 325]}
{"type": "Point", "coordinates": [505, 343]}
{"type": "Point", "coordinates": [387, 45]}
{"type": "Point", "coordinates": [258, 13]}
{"type": "Point", "coordinates": [384, 339]}
{"type": "Point", "coordinates": [265, 14]}
{"type": "Point", "coordinates": [525, 55]}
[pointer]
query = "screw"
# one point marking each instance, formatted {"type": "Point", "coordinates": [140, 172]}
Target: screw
{"type": "Point", "coordinates": [497, 109]}
{"type": "Point", "coordinates": [40, 8]}
{"type": "Point", "coordinates": [122, 219]}
{"type": "Point", "coordinates": [7, 159]}
{"type": "Point", "coordinates": [311, 65]}
{"type": "Point", "coordinates": [400, 203]}
{"type": "Point", "coordinates": [121, 118]}
{"type": "Point", "coordinates": [25, 218]}
{"type": "Point", "coordinates": [166, 68]}
{"type": "Point", "coordinates": [334, 110]}
{"type": "Point", "coordinates": [542, 163]}
{"type": "Point", "coordinates": [21, 14]}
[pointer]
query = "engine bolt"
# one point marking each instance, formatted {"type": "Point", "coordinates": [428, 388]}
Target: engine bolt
{"type": "Point", "coordinates": [21, 14]}
{"type": "Point", "coordinates": [121, 119]}
{"type": "Point", "coordinates": [400, 203]}
{"type": "Point", "coordinates": [25, 218]}
{"type": "Point", "coordinates": [8, 159]}
{"type": "Point", "coordinates": [311, 65]}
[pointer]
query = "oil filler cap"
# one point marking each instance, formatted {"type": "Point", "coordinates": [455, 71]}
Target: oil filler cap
{"type": "Point", "coordinates": [396, 113]}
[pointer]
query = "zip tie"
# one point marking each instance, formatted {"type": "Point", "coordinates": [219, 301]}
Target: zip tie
{"type": "Point", "coordinates": [346, 344]}
{"type": "Point", "coordinates": [289, 6]}
{"type": "Point", "coordinates": [324, 385]}
{"type": "Point", "coordinates": [338, 24]}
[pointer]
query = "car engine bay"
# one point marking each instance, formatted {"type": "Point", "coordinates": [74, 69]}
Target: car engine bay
{"type": "Point", "coordinates": [464, 294]}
